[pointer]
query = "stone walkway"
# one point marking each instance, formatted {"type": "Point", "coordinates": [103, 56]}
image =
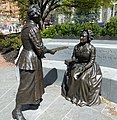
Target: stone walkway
{"type": "Point", "coordinates": [53, 106]}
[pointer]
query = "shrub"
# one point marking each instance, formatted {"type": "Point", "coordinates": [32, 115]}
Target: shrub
{"type": "Point", "coordinates": [110, 28]}
{"type": "Point", "coordinates": [12, 40]}
{"type": "Point", "coordinates": [1, 36]}
{"type": "Point", "coordinates": [70, 29]}
{"type": "Point", "coordinates": [66, 29]}
{"type": "Point", "coordinates": [49, 32]}
{"type": "Point", "coordinates": [96, 29]}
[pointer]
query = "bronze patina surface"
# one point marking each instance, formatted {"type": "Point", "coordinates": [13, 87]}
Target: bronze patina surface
{"type": "Point", "coordinates": [31, 87]}
{"type": "Point", "coordinates": [82, 80]}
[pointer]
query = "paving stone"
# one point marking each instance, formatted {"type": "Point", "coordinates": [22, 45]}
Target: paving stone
{"type": "Point", "coordinates": [86, 113]}
{"type": "Point", "coordinates": [57, 110]}
{"type": "Point", "coordinates": [81, 113]}
{"type": "Point", "coordinates": [53, 76]}
{"type": "Point", "coordinates": [53, 89]}
{"type": "Point", "coordinates": [48, 99]}
{"type": "Point", "coordinates": [65, 118]}
{"type": "Point", "coordinates": [105, 89]}
{"type": "Point", "coordinates": [6, 86]}
{"type": "Point", "coordinates": [102, 117]}
{"type": "Point", "coordinates": [113, 90]}
{"type": "Point", "coordinates": [7, 74]}
{"type": "Point", "coordinates": [110, 110]}
{"type": "Point", "coordinates": [99, 107]}
{"type": "Point", "coordinates": [6, 113]}
{"type": "Point", "coordinates": [8, 96]}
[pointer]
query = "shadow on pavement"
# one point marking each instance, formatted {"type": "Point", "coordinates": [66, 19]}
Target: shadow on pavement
{"type": "Point", "coordinates": [50, 77]}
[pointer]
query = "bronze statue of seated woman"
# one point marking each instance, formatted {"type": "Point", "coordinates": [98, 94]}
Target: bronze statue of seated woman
{"type": "Point", "coordinates": [82, 80]}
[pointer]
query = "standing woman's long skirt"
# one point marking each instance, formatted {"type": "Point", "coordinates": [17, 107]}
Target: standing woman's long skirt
{"type": "Point", "coordinates": [31, 87]}
{"type": "Point", "coordinates": [86, 89]}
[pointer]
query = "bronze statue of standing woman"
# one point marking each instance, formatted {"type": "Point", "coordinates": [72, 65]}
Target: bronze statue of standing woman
{"type": "Point", "coordinates": [31, 87]}
{"type": "Point", "coordinates": [82, 80]}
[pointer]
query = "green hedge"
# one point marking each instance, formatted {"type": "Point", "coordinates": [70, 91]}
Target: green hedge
{"type": "Point", "coordinates": [11, 40]}
{"type": "Point", "coordinates": [96, 29]}
{"type": "Point", "coordinates": [70, 29]}
{"type": "Point", "coordinates": [110, 28]}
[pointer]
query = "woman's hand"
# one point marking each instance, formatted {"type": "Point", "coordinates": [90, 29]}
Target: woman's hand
{"type": "Point", "coordinates": [79, 72]}
{"type": "Point", "coordinates": [52, 52]}
{"type": "Point", "coordinates": [81, 69]}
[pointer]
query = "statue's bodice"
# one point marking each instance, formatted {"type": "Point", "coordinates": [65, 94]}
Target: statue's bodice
{"type": "Point", "coordinates": [82, 52]}
{"type": "Point", "coordinates": [27, 44]}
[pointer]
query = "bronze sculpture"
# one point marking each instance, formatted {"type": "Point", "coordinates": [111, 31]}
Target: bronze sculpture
{"type": "Point", "coordinates": [31, 88]}
{"type": "Point", "coordinates": [82, 80]}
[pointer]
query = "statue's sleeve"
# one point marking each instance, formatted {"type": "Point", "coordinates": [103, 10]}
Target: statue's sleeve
{"type": "Point", "coordinates": [36, 40]}
{"type": "Point", "coordinates": [74, 58]}
{"type": "Point", "coordinates": [73, 54]}
{"type": "Point", "coordinates": [92, 58]}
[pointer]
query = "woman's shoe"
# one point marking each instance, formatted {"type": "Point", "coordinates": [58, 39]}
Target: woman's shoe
{"type": "Point", "coordinates": [17, 115]}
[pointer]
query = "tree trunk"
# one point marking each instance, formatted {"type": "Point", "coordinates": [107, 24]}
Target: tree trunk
{"type": "Point", "coordinates": [41, 25]}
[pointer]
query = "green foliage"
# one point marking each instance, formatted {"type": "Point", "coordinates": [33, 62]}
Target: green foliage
{"type": "Point", "coordinates": [16, 43]}
{"type": "Point", "coordinates": [66, 29]}
{"type": "Point", "coordinates": [1, 35]}
{"type": "Point", "coordinates": [1, 38]}
{"type": "Point", "coordinates": [87, 10]}
{"type": "Point", "coordinates": [12, 40]}
{"type": "Point", "coordinates": [110, 28]}
{"type": "Point", "coordinates": [84, 5]}
{"type": "Point", "coordinates": [46, 6]}
{"type": "Point", "coordinates": [65, 6]}
{"type": "Point", "coordinates": [23, 5]}
{"type": "Point", "coordinates": [96, 29]}
{"type": "Point", "coordinates": [49, 32]}
{"type": "Point", "coordinates": [70, 29]}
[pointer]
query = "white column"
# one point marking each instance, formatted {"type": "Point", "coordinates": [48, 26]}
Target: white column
{"type": "Point", "coordinates": [113, 10]}
{"type": "Point", "coordinates": [108, 14]}
{"type": "Point", "coordinates": [115, 3]}
{"type": "Point", "coordinates": [100, 18]}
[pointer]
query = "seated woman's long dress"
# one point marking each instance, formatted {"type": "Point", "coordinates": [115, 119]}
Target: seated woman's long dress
{"type": "Point", "coordinates": [85, 88]}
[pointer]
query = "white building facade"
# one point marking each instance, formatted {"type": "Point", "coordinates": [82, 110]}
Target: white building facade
{"type": "Point", "coordinates": [107, 13]}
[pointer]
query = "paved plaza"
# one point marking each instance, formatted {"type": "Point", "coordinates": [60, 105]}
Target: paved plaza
{"type": "Point", "coordinates": [54, 106]}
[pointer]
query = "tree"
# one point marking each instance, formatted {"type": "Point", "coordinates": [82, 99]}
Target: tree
{"type": "Point", "coordinates": [82, 17]}
{"type": "Point", "coordinates": [66, 11]}
{"type": "Point", "coordinates": [23, 5]}
{"type": "Point", "coordinates": [88, 6]}
{"type": "Point", "coordinates": [87, 10]}
{"type": "Point", "coordinates": [85, 5]}
{"type": "Point", "coordinates": [46, 7]}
